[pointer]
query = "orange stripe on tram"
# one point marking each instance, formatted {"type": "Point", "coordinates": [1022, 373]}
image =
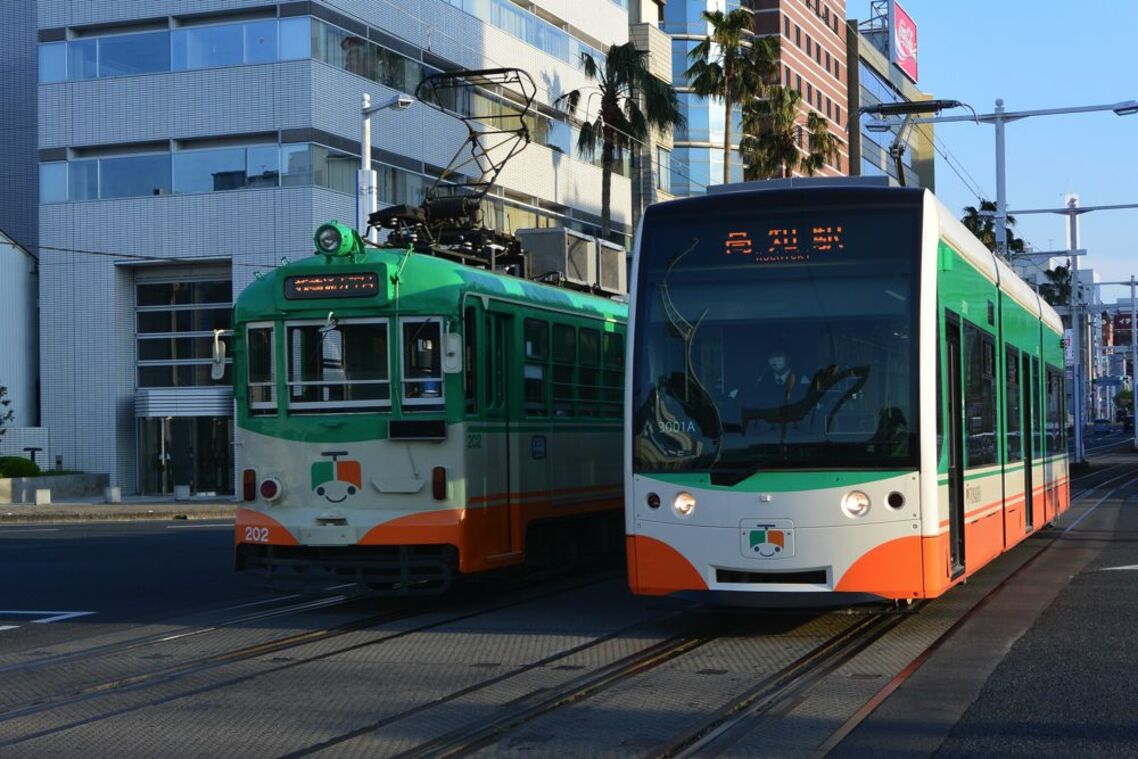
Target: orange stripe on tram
{"type": "Point", "coordinates": [657, 569]}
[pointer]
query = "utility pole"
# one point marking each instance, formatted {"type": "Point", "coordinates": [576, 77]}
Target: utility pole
{"type": "Point", "coordinates": [1076, 321]}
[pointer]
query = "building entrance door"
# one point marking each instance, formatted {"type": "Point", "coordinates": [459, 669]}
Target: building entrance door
{"type": "Point", "coordinates": [195, 451]}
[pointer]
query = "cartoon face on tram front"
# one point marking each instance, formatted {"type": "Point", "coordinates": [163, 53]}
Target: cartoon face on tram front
{"type": "Point", "coordinates": [336, 481]}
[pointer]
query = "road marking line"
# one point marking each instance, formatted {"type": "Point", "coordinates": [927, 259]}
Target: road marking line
{"type": "Point", "coordinates": [198, 526]}
{"type": "Point", "coordinates": [1115, 569]}
{"type": "Point", "coordinates": [8, 627]}
{"type": "Point", "coordinates": [51, 616]}
{"type": "Point", "coordinates": [37, 529]}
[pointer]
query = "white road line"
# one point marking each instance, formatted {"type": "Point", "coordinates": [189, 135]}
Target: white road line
{"type": "Point", "coordinates": [36, 529]}
{"type": "Point", "coordinates": [1117, 569]}
{"type": "Point", "coordinates": [198, 526]}
{"type": "Point", "coordinates": [8, 627]}
{"type": "Point", "coordinates": [46, 617]}
{"type": "Point", "coordinates": [260, 603]}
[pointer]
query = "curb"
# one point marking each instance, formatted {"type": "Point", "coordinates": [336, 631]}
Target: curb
{"type": "Point", "coordinates": [97, 514]}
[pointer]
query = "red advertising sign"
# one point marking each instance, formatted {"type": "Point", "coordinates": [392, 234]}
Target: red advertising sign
{"type": "Point", "coordinates": [903, 41]}
{"type": "Point", "coordinates": [1121, 329]}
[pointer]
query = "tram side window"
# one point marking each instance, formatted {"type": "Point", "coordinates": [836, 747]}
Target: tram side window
{"type": "Point", "coordinates": [564, 364]}
{"type": "Point", "coordinates": [536, 358]}
{"type": "Point", "coordinates": [262, 376]}
{"type": "Point", "coordinates": [589, 345]}
{"type": "Point", "coordinates": [1011, 396]}
{"type": "Point", "coordinates": [470, 360]}
{"type": "Point", "coordinates": [979, 397]}
{"type": "Point", "coordinates": [1036, 422]}
{"type": "Point", "coordinates": [1054, 406]}
{"type": "Point", "coordinates": [612, 377]}
{"type": "Point", "coordinates": [422, 361]}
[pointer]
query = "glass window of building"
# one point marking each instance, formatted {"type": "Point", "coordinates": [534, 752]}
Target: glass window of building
{"type": "Point", "coordinates": [132, 176]}
{"type": "Point", "coordinates": [129, 54]}
{"type": "Point", "coordinates": [53, 182]}
{"type": "Point", "coordinates": [52, 62]}
{"type": "Point", "coordinates": [295, 35]}
{"type": "Point", "coordinates": [260, 41]}
{"type": "Point", "coordinates": [202, 47]}
{"type": "Point", "coordinates": [83, 59]}
{"type": "Point", "coordinates": [663, 169]}
{"type": "Point", "coordinates": [174, 331]}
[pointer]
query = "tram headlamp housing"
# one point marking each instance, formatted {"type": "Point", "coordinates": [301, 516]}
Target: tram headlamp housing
{"type": "Point", "coordinates": [335, 239]}
{"type": "Point", "coordinates": [683, 504]}
{"type": "Point", "coordinates": [271, 489]}
{"type": "Point", "coordinates": [855, 504]}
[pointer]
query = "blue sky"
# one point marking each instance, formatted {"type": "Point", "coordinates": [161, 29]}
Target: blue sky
{"type": "Point", "coordinates": [1040, 54]}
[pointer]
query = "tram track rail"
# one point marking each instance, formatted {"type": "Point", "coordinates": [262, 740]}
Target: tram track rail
{"type": "Point", "coordinates": [181, 670]}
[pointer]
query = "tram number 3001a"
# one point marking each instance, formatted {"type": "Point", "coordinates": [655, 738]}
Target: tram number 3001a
{"type": "Point", "coordinates": [257, 534]}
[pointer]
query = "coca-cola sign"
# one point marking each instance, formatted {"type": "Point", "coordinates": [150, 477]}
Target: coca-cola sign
{"type": "Point", "coordinates": [903, 41]}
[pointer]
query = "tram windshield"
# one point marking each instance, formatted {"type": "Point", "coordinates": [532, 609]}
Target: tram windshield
{"type": "Point", "coordinates": [776, 339]}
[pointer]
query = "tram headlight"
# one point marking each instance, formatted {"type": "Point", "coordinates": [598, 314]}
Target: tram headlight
{"type": "Point", "coordinates": [855, 504]}
{"type": "Point", "coordinates": [683, 504]}
{"type": "Point", "coordinates": [334, 239]}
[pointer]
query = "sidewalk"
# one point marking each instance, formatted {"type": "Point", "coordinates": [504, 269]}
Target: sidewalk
{"type": "Point", "coordinates": [131, 508]}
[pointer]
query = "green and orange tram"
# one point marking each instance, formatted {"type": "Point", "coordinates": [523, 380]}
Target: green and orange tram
{"type": "Point", "coordinates": [406, 418]}
{"type": "Point", "coordinates": [836, 392]}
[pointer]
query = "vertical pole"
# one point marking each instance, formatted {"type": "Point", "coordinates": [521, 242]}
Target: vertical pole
{"type": "Point", "coordinates": [1133, 359]}
{"type": "Point", "coordinates": [1076, 327]}
{"type": "Point", "coordinates": [366, 198]}
{"type": "Point", "coordinates": [1001, 183]}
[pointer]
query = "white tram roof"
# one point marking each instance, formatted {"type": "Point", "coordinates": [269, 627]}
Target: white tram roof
{"type": "Point", "coordinates": [994, 268]}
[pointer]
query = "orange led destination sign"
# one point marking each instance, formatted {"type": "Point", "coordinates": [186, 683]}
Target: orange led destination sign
{"type": "Point", "coordinates": [356, 285]}
{"type": "Point", "coordinates": [786, 244]}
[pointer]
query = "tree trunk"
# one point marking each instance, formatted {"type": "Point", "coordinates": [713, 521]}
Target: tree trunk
{"type": "Point", "coordinates": [607, 160]}
{"type": "Point", "coordinates": [727, 141]}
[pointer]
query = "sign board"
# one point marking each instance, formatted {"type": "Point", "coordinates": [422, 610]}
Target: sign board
{"type": "Point", "coordinates": [1109, 381]}
{"type": "Point", "coordinates": [1121, 329]}
{"type": "Point", "coordinates": [902, 40]}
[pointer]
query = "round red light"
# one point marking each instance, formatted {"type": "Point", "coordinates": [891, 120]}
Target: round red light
{"type": "Point", "coordinates": [270, 489]}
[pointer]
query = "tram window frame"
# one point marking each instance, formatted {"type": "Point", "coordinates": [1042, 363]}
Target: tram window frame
{"type": "Point", "coordinates": [470, 358]}
{"type": "Point", "coordinates": [589, 371]}
{"type": "Point", "coordinates": [1053, 410]}
{"type": "Point", "coordinates": [330, 405]}
{"type": "Point", "coordinates": [612, 374]}
{"type": "Point", "coordinates": [261, 406]}
{"type": "Point", "coordinates": [416, 392]}
{"type": "Point", "coordinates": [1037, 394]}
{"type": "Point", "coordinates": [564, 369]}
{"type": "Point", "coordinates": [1013, 414]}
{"type": "Point", "coordinates": [535, 396]}
{"type": "Point", "coordinates": [980, 415]}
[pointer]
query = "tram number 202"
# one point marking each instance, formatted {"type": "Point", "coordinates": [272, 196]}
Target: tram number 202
{"type": "Point", "coordinates": [256, 534]}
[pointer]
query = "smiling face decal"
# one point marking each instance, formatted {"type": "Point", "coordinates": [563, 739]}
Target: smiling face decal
{"type": "Point", "coordinates": [767, 543]}
{"type": "Point", "coordinates": [336, 481]}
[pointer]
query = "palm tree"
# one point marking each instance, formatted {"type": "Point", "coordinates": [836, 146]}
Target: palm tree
{"type": "Point", "coordinates": [982, 223]}
{"type": "Point", "coordinates": [632, 101]}
{"type": "Point", "coordinates": [1057, 289]}
{"type": "Point", "coordinates": [730, 63]}
{"type": "Point", "coordinates": [770, 137]}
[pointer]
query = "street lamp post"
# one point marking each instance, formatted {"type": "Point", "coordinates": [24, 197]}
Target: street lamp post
{"type": "Point", "coordinates": [1133, 343]}
{"type": "Point", "coordinates": [367, 197]}
{"type": "Point", "coordinates": [1073, 210]}
{"type": "Point", "coordinates": [999, 119]}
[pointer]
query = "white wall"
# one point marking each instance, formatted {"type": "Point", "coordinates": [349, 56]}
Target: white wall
{"type": "Point", "coordinates": [18, 330]}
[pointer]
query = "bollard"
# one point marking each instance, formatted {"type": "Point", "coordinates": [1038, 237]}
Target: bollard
{"type": "Point", "coordinates": [43, 497]}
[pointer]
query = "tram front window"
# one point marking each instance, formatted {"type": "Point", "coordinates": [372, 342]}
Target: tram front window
{"type": "Point", "coordinates": [776, 340]}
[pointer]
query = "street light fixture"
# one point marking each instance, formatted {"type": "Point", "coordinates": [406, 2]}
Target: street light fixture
{"type": "Point", "coordinates": [909, 108]}
{"type": "Point", "coordinates": [367, 199]}
{"type": "Point", "coordinates": [1000, 118]}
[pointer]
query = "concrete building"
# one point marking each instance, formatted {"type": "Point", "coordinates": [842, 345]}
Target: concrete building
{"type": "Point", "coordinates": [184, 145]}
{"type": "Point", "coordinates": [18, 363]}
{"type": "Point", "coordinates": [875, 78]}
{"type": "Point", "coordinates": [812, 60]}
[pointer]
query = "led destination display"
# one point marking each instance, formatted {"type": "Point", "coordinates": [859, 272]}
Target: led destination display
{"type": "Point", "coordinates": [355, 285]}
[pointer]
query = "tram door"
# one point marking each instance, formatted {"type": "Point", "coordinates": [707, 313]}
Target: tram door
{"type": "Point", "coordinates": [501, 516]}
{"type": "Point", "coordinates": [955, 449]}
{"type": "Point", "coordinates": [1028, 422]}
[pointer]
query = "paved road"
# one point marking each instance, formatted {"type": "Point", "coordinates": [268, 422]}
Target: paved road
{"type": "Point", "coordinates": [136, 571]}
